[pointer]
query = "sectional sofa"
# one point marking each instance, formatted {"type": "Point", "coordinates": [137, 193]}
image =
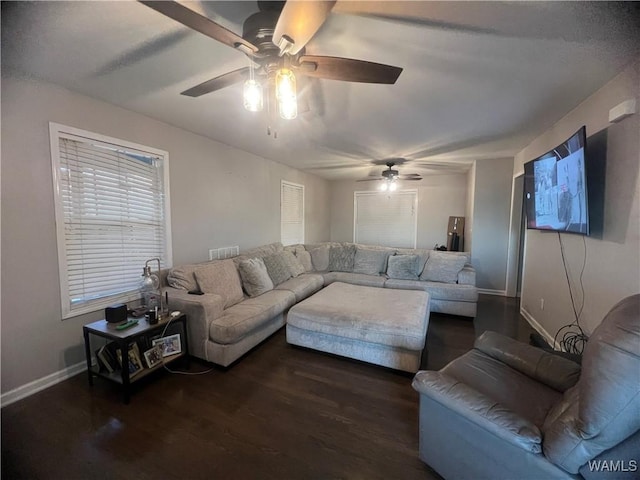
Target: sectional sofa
{"type": "Point", "coordinates": [235, 304]}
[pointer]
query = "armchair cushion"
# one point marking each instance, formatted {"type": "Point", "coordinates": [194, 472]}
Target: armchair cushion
{"type": "Point", "coordinates": [553, 370]}
{"type": "Point", "coordinates": [605, 411]}
{"type": "Point", "coordinates": [480, 409]}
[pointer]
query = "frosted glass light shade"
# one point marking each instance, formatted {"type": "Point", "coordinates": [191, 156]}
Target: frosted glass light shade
{"type": "Point", "coordinates": [252, 94]}
{"type": "Point", "coordinates": [286, 94]}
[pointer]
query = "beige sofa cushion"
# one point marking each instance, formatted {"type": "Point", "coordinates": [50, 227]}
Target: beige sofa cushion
{"type": "Point", "coordinates": [341, 258]}
{"type": "Point", "coordinates": [294, 265]}
{"type": "Point", "coordinates": [370, 261]}
{"type": "Point", "coordinates": [255, 278]}
{"type": "Point", "coordinates": [403, 267]}
{"type": "Point", "coordinates": [305, 259]}
{"type": "Point", "coordinates": [221, 277]}
{"type": "Point", "coordinates": [320, 258]}
{"type": "Point", "coordinates": [182, 277]}
{"type": "Point", "coordinates": [277, 267]}
{"type": "Point", "coordinates": [443, 267]}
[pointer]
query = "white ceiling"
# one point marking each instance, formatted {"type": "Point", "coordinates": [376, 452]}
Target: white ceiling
{"type": "Point", "coordinates": [480, 79]}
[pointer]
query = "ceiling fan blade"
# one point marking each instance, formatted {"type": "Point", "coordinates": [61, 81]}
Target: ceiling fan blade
{"type": "Point", "coordinates": [217, 83]}
{"type": "Point", "coordinates": [202, 24]}
{"type": "Point", "coordinates": [370, 180]}
{"type": "Point", "coordinates": [298, 23]}
{"type": "Point", "coordinates": [410, 178]}
{"type": "Point", "coordinates": [347, 69]}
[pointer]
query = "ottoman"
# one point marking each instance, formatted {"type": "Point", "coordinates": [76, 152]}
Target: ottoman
{"type": "Point", "coordinates": [386, 327]}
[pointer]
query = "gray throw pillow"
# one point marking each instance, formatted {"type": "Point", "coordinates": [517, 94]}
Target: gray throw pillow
{"type": "Point", "coordinates": [403, 267]}
{"type": "Point", "coordinates": [255, 278]}
{"type": "Point", "coordinates": [221, 277]}
{"type": "Point", "coordinates": [341, 258]}
{"type": "Point", "coordinates": [295, 267]}
{"type": "Point", "coordinates": [371, 261]}
{"type": "Point", "coordinates": [277, 267]}
{"type": "Point", "coordinates": [443, 267]}
{"type": "Point", "coordinates": [320, 258]}
{"type": "Point", "coordinates": [305, 259]}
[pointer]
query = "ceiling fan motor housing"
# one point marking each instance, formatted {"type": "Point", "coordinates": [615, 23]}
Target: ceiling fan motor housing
{"type": "Point", "coordinates": [258, 29]}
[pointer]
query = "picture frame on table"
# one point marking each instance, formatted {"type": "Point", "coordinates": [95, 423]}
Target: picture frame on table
{"type": "Point", "coordinates": [171, 345]}
{"type": "Point", "coordinates": [153, 356]}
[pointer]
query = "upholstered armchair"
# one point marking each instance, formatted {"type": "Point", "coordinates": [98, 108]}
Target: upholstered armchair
{"type": "Point", "coordinates": [508, 410]}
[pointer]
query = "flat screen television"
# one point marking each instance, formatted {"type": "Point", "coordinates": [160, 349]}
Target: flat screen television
{"type": "Point", "coordinates": [555, 188]}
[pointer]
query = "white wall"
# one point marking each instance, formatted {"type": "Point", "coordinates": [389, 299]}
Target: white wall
{"type": "Point", "coordinates": [491, 216]}
{"type": "Point", "coordinates": [612, 269]}
{"type": "Point", "coordinates": [220, 196]}
{"type": "Point", "coordinates": [439, 197]}
{"type": "Point", "coordinates": [468, 222]}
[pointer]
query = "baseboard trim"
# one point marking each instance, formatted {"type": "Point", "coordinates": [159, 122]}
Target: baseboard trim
{"type": "Point", "coordinates": [40, 384]}
{"type": "Point", "coordinates": [488, 291]}
{"type": "Point", "coordinates": [538, 328]}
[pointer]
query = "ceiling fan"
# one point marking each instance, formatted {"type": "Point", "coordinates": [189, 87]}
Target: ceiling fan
{"type": "Point", "coordinates": [274, 39]}
{"type": "Point", "coordinates": [390, 176]}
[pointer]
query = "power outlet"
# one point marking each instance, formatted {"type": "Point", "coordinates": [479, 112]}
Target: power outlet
{"type": "Point", "coordinates": [542, 304]}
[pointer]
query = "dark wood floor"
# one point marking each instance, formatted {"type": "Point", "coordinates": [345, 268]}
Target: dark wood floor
{"type": "Point", "coordinates": [280, 412]}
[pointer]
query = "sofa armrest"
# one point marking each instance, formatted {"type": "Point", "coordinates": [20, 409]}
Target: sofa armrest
{"type": "Point", "coordinates": [467, 276]}
{"type": "Point", "coordinates": [201, 310]}
{"type": "Point", "coordinates": [479, 409]}
{"type": "Point", "coordinates": [555, 371]}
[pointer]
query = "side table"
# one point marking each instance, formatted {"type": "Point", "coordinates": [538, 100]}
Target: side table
{"type": "Point", "coordinates": [141, 334]}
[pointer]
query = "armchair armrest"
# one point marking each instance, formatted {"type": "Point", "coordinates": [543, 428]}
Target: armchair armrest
{"type": "Point", "coordinates": [201, 310]}
{"type": "Point", "coordinates": [557, 372]}
{"type": "Point", "coordinates": [467, 276]}
{"type": "Point", "coordinates": [479, 409]}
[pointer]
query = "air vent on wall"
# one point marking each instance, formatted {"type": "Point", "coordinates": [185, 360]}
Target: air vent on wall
{"type": "Point", "coordinates": [224, 252]}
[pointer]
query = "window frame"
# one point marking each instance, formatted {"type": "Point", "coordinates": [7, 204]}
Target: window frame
{"type": "Point", "coordinates": [56, 133]}
{"type": "Point", "coordinates": [371, 193]}
{"type": "Point", "coordinates": [283, 184]}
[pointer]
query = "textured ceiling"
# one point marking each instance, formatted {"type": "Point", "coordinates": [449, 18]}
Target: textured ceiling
{"type": "Point", "coordinates": [480, 79]}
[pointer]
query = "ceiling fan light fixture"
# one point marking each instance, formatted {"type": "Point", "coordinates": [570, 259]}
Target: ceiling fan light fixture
{"type": "Point", "coordinates": [252, 94]}
{"type": "Point", "coordinates": [393, 186]}
{"type": "Point", "coordinates": [384, 186]}
{"type": "Point", "coordinates": [286, 94]}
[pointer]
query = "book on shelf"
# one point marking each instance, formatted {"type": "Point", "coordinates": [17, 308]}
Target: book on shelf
{"type": "Point", "coordinates": [133, 359]}
{"type": "Point", "coordinates": [105, 359]}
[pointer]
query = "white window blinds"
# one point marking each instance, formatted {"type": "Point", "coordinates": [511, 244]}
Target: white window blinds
{"type": "Point", "coordinates": [112, 216]}
{"type": "Point", "coordinates": [387, 219]}
{"type": "Point", "coordinates": [291, 213]}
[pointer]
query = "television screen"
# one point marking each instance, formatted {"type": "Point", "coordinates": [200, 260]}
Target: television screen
{"type": "Point", "coordinates": [555, 188]}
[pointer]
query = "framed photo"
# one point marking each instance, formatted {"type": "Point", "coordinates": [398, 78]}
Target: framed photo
{"type": "Point", "coordinates": [171, 345]}
{"type": "Point", "coordinates": [153, 356]}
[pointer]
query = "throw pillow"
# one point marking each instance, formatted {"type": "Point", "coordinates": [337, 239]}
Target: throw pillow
{"type": "Point", "coordinates": [443, 267]}
{"type": "Point", "coordinates": [277, 268]}
{"type": "Point", "coordinates": [182, 278]}
{"type": "Point", "coordinates": [221, 277]}
{"type": "Point", "coordinates": [295, 267]}
{"type": "Point", "coordinates": [320, 258]}
{"type": "Point", "coordinates": [371, 261]}
{"type": "Point", "coordinates": [403, 267]}
{"type": "Point", "coordinates": [341, 258]}
{"type": "Point", "coordinates": [255, 278]}
{"type": "Point", "coordinates": [423, 256]}
{"type": "Point", "coordinates": [305, 259]}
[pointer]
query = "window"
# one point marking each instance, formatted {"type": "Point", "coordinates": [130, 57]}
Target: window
{"type": "Point", "coordinates": [112, 215]}
{"type": "Point", "coordinates": [291, 213]}
{"type": "Point", "coordinates": [387, 219]}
